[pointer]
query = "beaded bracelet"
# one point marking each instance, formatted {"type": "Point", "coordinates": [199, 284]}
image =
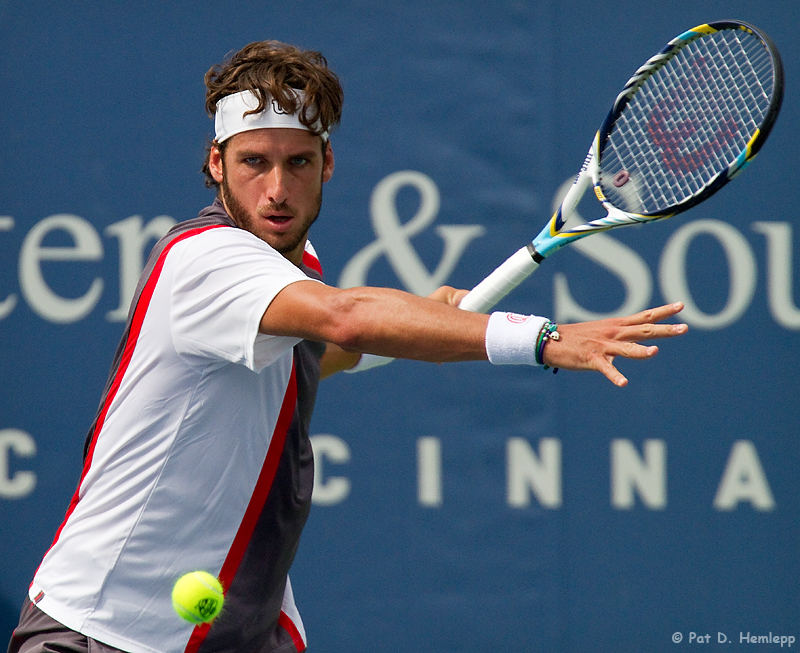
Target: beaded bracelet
{"type": "Point", "coordinates": [549, 331]}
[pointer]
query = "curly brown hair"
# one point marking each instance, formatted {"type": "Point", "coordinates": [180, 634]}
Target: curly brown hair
{"type": "Point", "coordinates": [269, 69]}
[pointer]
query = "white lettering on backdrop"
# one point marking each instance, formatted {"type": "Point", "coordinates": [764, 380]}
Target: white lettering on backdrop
{"type": "Point", "coordinates": [37, 260]}
{"type": "Point", "coordinates": [394, 238]}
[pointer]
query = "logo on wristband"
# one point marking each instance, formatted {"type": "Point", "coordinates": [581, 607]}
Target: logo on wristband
{"type": "Point", "coordinates": [516, 318]}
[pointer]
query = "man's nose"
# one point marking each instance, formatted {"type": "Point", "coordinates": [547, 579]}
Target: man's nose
{"type": "Point", "coordinates": [276, 186]}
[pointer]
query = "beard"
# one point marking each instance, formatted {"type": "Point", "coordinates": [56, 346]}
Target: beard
{"type": "Point", "coordinates": [284, 243]}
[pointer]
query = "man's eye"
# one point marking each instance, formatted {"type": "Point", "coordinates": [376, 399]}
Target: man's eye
{"type": "Point", "coordinates": [252, 160]}
{"type": "Point", "coordinates": [299, 160]}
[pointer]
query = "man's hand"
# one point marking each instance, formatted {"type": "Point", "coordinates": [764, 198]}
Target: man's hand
{"type": "Point", "coordinates": [448, 295]}
{"type": "Point", "coordinates": [594, 345]}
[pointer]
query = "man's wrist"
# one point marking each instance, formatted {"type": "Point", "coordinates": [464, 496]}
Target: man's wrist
{"type": "Point", "coordinates": [512, 339]}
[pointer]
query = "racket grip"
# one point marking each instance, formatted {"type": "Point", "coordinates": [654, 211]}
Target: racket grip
{"type": "Point", "coordinates": [512, 272]}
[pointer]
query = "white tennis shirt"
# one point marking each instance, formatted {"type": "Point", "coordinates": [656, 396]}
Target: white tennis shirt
{"type": "Point", "coordinates": [180, 442]}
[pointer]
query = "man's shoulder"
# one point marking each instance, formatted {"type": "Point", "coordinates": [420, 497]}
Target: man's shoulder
{"type": "Point", "coordinates": [211, 216]}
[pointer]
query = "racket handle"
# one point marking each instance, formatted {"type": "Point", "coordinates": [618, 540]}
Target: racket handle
{"type": "Point", "coordinates": [512, 272]}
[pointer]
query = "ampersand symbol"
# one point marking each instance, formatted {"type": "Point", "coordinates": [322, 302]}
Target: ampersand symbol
{"type": "Point", "coordinates": [394, 237]}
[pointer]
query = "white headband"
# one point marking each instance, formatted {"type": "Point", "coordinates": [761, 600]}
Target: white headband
{"type": "Point", "coordinates": [230, 118]}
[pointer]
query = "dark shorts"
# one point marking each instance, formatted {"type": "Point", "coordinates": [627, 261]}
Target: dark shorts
{"type": "Point", "coordinates": [39, 633]}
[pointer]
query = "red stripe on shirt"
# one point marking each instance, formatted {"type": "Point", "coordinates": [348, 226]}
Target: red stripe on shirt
{"type": "Point", "coordinates": [130, 344]}
{"type": "Point", "coordinates": [311, 261]}
{"type": "Point", "coordinates": [257, 501]}
{"type": "Point", "coordinates": [285, 622]}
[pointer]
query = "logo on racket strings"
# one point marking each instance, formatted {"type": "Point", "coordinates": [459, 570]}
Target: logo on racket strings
{"type": "Point", "coordinates": [688, 143]}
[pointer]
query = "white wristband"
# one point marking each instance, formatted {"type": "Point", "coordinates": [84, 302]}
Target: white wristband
{"type": "Point", "coordinates": [511, 338]}
{"type": "Point", "coordinates": [368, 361]}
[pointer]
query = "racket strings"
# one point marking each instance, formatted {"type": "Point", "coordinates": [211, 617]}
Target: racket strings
{"type": "Point", "coordinates": [688, 122]}
{"type": "Point", "coordinates": [747, 89]}
{"type": "Point", "coordinates": [671, 133]}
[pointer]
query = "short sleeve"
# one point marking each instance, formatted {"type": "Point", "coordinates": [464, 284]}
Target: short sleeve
{"type": "Point", "coordinates": [222, 282]}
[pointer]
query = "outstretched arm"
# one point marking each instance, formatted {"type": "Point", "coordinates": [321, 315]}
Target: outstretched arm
{"type": "Point", "coordinates": [377, 320]}
{"type": "Point", "coordinates": [397, 324]}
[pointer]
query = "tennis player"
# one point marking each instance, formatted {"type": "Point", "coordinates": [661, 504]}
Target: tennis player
{"type": "Point", "coordinates": [199, 456]}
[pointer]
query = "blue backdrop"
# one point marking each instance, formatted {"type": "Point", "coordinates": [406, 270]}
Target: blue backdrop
{"type": "Point", "coordinates": [458, 507]}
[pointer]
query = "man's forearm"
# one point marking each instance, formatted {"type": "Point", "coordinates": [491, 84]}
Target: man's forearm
{"type": "Point", "coordinates": [377, 320]}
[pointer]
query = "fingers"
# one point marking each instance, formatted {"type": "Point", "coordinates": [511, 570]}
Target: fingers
{"type": "Point", "coordinates": [457, 296]}
{"type": "Point", "coordinates": [619, 381]}
{"type": "Point", "coordinates": [650, 331]}
{"type": "Point", "coordinates": [448, 295]}
{"type": "Point", "coordinates": [637, 351]}
{"type": "Point", "coordinates": [645, 325]}
{"type": "Point", "coordinates": [612, 373]}
{"type": "Point", "coordinates": [632, 350]}
{"type": "Point", "coordinates": [595, 345]}
{"type": "Point", "coordinates": [652, 315]}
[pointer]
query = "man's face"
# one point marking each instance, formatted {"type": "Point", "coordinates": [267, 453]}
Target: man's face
{"type": "Point", "coordinates": [271, 181]}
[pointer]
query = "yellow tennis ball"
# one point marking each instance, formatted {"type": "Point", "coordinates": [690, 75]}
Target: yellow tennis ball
{"type": "Point", "coordinates": [197, 597]}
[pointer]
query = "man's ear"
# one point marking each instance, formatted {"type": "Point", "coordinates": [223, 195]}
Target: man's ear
{"type": "Point", "coordinates": [328, 165]}
{"type": "Point", "coordinates": [215, 163]}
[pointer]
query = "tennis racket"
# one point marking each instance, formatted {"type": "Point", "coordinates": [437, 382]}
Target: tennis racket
{"type": "Point", "coordinates": [686, 123]}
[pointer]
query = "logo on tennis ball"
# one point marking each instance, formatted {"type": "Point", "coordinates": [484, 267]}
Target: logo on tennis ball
{"type": "Point", "coordinates": [208, 608]}
{"type": "Point", "coordinates": [198, 597]}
